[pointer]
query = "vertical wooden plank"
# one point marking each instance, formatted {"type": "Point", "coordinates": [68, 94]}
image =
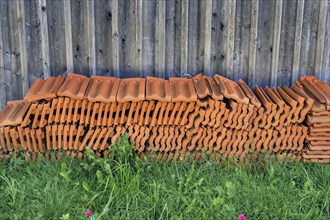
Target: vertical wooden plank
{"type": "Point", "coordinates": [276, 41]}
{"type": "Point", "coordinates": [286, 54]}
{"type": "Point", "coordinates": [68, 35]}
{"type": "Point", "coordinates": [321, 39]}
{"type": "Point", "coordinates": [81, 36]}
{"type": "Point", "coordinates": [196, 36]}
{"type": "Point", "coordinates": [170, 38]}
{"type": "Point", "coordinates": [184, 37]}
{"type": "Point", "coordinates": [297, 40]}
{"type": "Point", "coordinates": [91, 37]}
{"type": "Point", "coordinates": [2, 66]}
{"type": "Point", "coordinates": [253, 42]}
{"type": "Point", "coordinates": [208, 37]}
{"type": "Point", "coordinates": [56, 28]}
{"type": "Point", "coordinates": [326, 51]}
{"type": "Point", "coordinates": [309, 38]}
{"type": "Point", "coordinates": [127, 38]}
{"type": "Point", "coordinates": [103, 42]}
{"type": "Point", "coordinates": [115, 37]}
{"type": "Point", "coordinates": [241, 45]}
{"type": "Point", "coordinates": [160, 38]}
{"type": "Point", "coordinates": [42, 15]}
{"type": "Point", "coordinates": [138, 38]}
{"type": "Point", "coordinates": [231, 8]}
{"type": "Point", "coordinates": [23, 45]}
{"type": "Point", "coordinates": [148, 35]}
{"type": "Point", "coordinates": [265, 42]}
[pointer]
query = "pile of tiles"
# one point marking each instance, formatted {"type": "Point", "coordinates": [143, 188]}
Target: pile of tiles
{"type": "Point", "coordinates": [169, 119]}
{"type": "Point", "coordinates": [317, 120]}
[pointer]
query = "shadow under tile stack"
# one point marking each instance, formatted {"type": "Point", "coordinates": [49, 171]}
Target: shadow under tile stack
{"type": "Point", "coordinates": [317, 147]}
{"type": "Point", "coordinates": [168, 119]}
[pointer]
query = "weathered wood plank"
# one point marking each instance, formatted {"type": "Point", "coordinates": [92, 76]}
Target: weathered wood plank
{"type": "Point", "coordinates": [115, 37]}
{"type": "Point", "coordinates": [231, 8]}
{"type": "Point", "coordinates": [219, 37]}
{"type": "Point", "coordinates": [276, 41]}
{"type": "Point", "coordinates": [23, 45]}
{"type": "Point", "coordinates": [297, 40]}
{"type": "Point", "coordinates": [127, 49]}
{"type": "Point", "coordinates": [208, 38]}
{"type": "Point", "coordinates": [13, 77]}
{"type": "Point", "coordinates": [56, 28]}
{"type": "Point", "coordinates": [2, 65]}
{"type": "Point", "coordinates": [241, 45]}
{"type": "Point", "coordinates": [138, 37]}
{"type": "Point", "coordinates": [286, 43]}
{"type": "Point", "coordinates": [253, 43]}
{"type": "Point", "coordinates": [103, 42]}
{"type": "Point", "coordinates": [184, 37]}
{"type": "Point", "coordinates": [309, 37]}
{"type": "Point", "coordinates": [160, 38]}
{"type": "Point", "coordinates": [80, 37]}
{"type": "Point", "coordinates": [68, 35]}
{"type": "Point", "coordinates": [170, 38]}
{"type": "Point", "coordinates": [91, 37]}
{"type": "Point", "coordinates": [196, 36]}
{"type": "Point", "coordinates": [326, 51]}
{"type": "Point", "coordinates": [265, 42]}
{"type": "Point", "coordinates": [321, 40]}
{"type": "Point", "coordinates": [148, 30]}
{"type": "Point", "coordinates": [42, 15]}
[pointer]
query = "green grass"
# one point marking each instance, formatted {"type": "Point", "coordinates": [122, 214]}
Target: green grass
{"type": "Point", "coordinates": [124, 187]}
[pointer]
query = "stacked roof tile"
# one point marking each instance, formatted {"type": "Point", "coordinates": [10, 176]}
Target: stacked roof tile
{"type": "Point", "coordinates": [171, 119]}
{"type": "Point", "coordinates": [317, 119]}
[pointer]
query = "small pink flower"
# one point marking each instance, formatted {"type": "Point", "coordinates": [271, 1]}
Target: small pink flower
{"type": "Point", "coordinates": [241, 217]}
{"type": "Point", "coordinates": [88, 213]}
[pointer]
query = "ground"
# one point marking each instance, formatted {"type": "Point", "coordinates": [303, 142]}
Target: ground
{"type": "Point", "coordinates": [124, 187]}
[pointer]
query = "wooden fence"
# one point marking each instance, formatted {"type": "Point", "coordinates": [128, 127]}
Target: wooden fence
{"type": "Point", "coordinates": [265, 42]}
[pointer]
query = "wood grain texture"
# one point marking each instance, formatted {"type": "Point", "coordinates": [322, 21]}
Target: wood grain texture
{"type": "Point", "coordinates": [2, 66]}
{"type": "Point", "coordinates": [286, 47]}
{"type": "Point", "coordinates": [231, 7]}
{"type": "Point", "coordinates": [160, 39]}
{"type": "Point", "coordinates": [326, 56]}
{"type": "Point", "coordinates": [68, 35]}
{"type": "Point", "coordinates": [276, 41]}
{"type": "Point", "coordinates": [253, 42]}
{"type": "Point", "coordinates": [91, 37]}
{"type": "Point", "coordinates": [57, 37]}
{"type": "Point", "coordinates": [184, 37]}
{"type": "Point", "coordinates": [115, 39]}
{"type": "Point", "coordinates": [297, 40]}
{"type": "Point", "coordinates": [22, 44]}
{"type": "Point", "coordinates": [321, 40]}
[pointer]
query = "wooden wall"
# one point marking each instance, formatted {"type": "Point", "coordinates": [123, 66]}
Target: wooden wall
{"type": "Point", "coordinates": [265, 42]}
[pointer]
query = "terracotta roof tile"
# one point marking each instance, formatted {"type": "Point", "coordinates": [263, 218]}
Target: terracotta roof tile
{"type": "Point", "coordinates": [74, 86]}
{"type": "Point", "coordinates": [231, 89]}
{"type": "Point", "coordinates": [132, 89]}
{"type": "Point", "coordinates": [44, 89]}
{"type": "Point", "coordinates": [317, 89]}
{"type": "Point", "coordinates": [202, 86]}
{"type": "Point", "coordinates": [14, 113]}
{"type": "Point", "coordinates": [290, 101]}
{"type": "Point", "coordinates": [102, 89]}
{"type": "Point", "coordinates": [217, 91]}
{"type": "Point", "coordinates": [182, 90]}
{"type": "Point", "coordinates": [158, 89]}
{"type": "Point", "coordinates": [248, 92]}
{"type": "Point", "coordinates": [317, 105]}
